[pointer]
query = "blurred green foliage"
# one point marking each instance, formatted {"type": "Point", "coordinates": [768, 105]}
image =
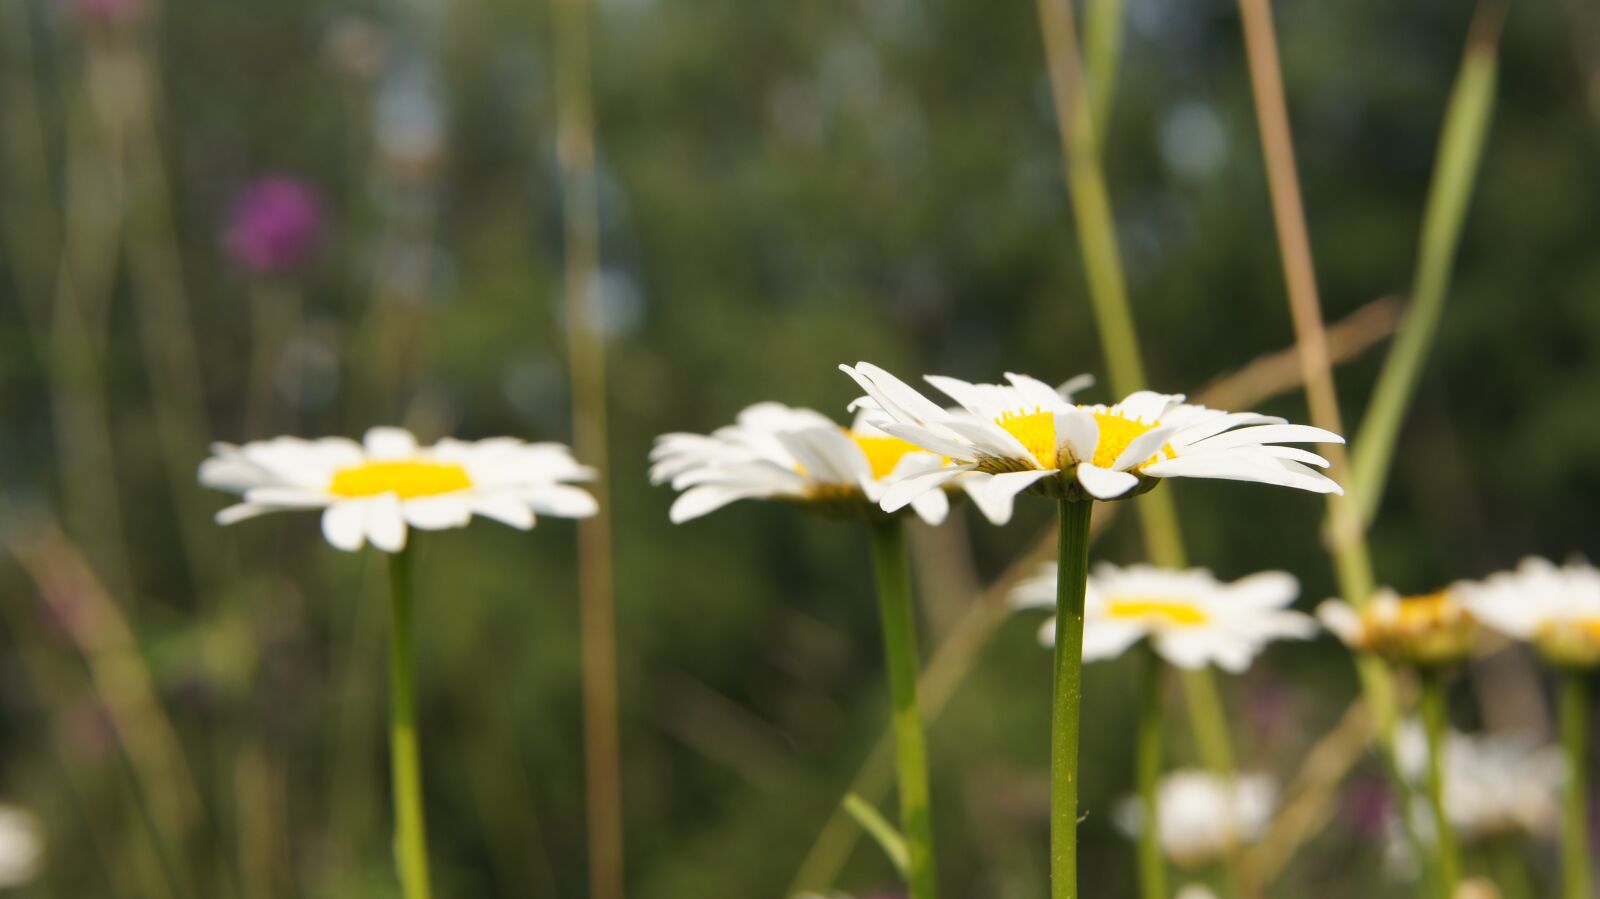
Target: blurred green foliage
{"type": "Point", "coordinates": [784, 188]}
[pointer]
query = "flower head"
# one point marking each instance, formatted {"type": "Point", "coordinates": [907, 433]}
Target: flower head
{"type": "Point", "coordinates": [1191, 618]}
{"type": "Point", "coordinates": [1495, 785]}
{"type": "Point", "coordinates": [1202, 816]}
{"type": "Point", "coordinates": [1028, 435]}
{"type": "Point", "coordinates": [1426, 630]}
{"type": "Point", "coordinates": [373, 490]}
{"type": "Point", "coordinates": [275, 224]}
{"type": "Point", "coordinates": [773, 451]}
{"type": "Point", "coordinates": [1555, 609]}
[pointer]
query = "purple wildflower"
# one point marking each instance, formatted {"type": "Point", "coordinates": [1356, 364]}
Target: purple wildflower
{"type": "Point", "coordinates": [275, 225]}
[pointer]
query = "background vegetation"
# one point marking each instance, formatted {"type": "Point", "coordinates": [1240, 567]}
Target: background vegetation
{"type": "Point", "coordinates": [783, 187]}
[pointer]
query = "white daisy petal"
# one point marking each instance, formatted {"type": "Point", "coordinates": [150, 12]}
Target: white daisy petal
{"type": "Point", "coordinates": [386, 523]}
{"type": "Point", "coordinates": [899, 494]}
{"type": "Point", "coordinates": [698, 501]}
{"type": "Point", "coordinates": [345, 525]}
{"type": "Point", "coordinates": [1079, 432]}
{"type": "Point", "coordinates": [560, 500]}
{"type": "Point", "coordinates": [504, 509]}
{"type": "Point", "coordinates": [389, 443]}
{"type": "Point", "coordinates": [243, 511]}
{"type": "Point", "coordinates": [932, 507]}
{"type": "Point", "coordinates": [1103, 483]}
{"type": "Point", "coordinates": [434, 513]}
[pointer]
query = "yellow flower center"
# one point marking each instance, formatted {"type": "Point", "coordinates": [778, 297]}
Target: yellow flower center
{"type": "Point", "coordinates": [1428, 629]}
{"type": "Point", "coordinates": [1116, 433]}
{"type": "Point", "coordinates": [1036, 431]}
{"type": "Point", "coordinates": [1571, 642]}
{"type": "Point", "coordinates": [405, 479]}
{"type": "Point", "coordinates": [1163, 610]}
{"type": "Point", "coordinates": [883, 453]}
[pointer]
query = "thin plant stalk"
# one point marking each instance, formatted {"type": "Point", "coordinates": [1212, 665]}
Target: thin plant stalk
{"type": "Point", "coordinates": [159, 772]}
{"type": "Point", "coordinates": [1346, 534]}
{"type": "Point", "coordinates": [1147, 776]}
{"type": "Point", "coordinates": [1511, 869]}
{"type": "Point", "coordinates": [575, 154]}
{"type": "Point", "coordinates": [1466, 127]}
{"type": "Point", "coordinates": [410, 830]}
{"type": "Point", "coordinates": [122, 67]}
{"type": "Point", "coordinates": [1076, 119]}
{"type": "Point", "coordinates": [892, 569]}
{"type": "Point", "coordinates": [1435, 722]}
{"type": "Point", "coordinates": [1102, 51]}
{"type": "Point", "coordinates": [1575, 852]}
{"type": "Point", "coordinates": [274, 321]}
{"type": "Point", "coordinates": [1068, 696]}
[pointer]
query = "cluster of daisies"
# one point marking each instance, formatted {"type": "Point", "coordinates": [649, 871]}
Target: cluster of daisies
{"type": "Point", "coordinates": [904, 453]}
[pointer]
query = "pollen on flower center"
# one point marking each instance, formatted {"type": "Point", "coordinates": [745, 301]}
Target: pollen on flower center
{"type": "Point", "coordinates": [1166, 610]}
{"type": "Point", "coordinates": [1036, 431]}
{"type": "Point", "coordinates": [406, 479]}
{"type": "Point", "coordinates": [883, 453]}
{"type": "Point", "coordinates": [1116, 432]}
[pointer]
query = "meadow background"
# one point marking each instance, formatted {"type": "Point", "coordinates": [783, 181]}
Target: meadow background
{"type": "Point", "coordinates": [781, 188]}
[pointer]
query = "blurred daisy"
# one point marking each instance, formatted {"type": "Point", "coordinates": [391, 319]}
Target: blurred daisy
{"type": "Point", "coordinates": [1028, 434]}
{"type": "Point", "coordinates": [1201, 816]}
{"type": "Point", "coordinates": [1191, 618]}
{"type": "Point", "coordinates": [1556, 609]}
{"type": "Point", "coordinates": [1495, 785]}
{"type": "Point", "coordinates": [1431, 629]}
{"type": "Point", "coordinates": [1196, 891]}
{"type": "Point", "coordinates": [21, 846]}
{"type": "Point", "coordinates": [374, 490]}
{"type": "Point", "coordinates": [779, 452]}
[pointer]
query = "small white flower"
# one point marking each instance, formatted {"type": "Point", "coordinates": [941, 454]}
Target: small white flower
{"type": "Point", "coordinates": [1494, 785]}
{"type": "Point", "coordinates": [779, 452]}
{"type": "Point", "coordinates": [1196, 891]}
{"type": "Point", "coordinates": [1202, 816]}
{"type": "Point", "coordinates": [1191, 618]}
{"type": "Point", "coordinates": [21, 846]}
{"type": "Point", "coordinates": [1556, 609]}
{"type": "Point", "coordinates": [1427, 629]}
{"type": "Point", "coordinates": [373, 490]}
{"type": "Point", "coordinates": [1027, 433]}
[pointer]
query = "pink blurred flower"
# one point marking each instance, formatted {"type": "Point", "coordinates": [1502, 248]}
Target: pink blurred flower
{"type": "Point", "coordinates": [275, 225]}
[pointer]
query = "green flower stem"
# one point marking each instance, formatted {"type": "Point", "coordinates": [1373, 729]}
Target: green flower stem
{"type": "Point", "coordinates": [1436, 722]}
{"type": "Point", "coordinates": [1466, 128]}
{"type": "Point", "coordinates": [1575, 876]}
{"type": "Point", "coordinates": [410, 835]}
{"type": "Point", "coordinates": [1102, 50]}
{"type": "Point", "coordinates": [1070, 586]}
{"type": "Point", "coordinates": [1510, 869]}
{"type": "Point", "coordinates": [1147, 774]}
{"type": "Point", "coordinates": [893, 571]}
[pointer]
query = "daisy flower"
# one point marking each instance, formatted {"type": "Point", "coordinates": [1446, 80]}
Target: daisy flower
{"type": "Point", "coordinates": [1427, 630]}
{"type": "Point", "coordinates": [1498, 784]}
{"type": "Point", "coordinates": [1201, 816]}
{"type": "Point", "coordinates": [1556, 609]}
{"type": "Point", "coordinates": [374, 490]}
{"type": "Point", "coordinates": [1028, 434]}
{"type": "Point", "coordinates": [1191, 618]}
{"type": "Point", "coordinates": [779, 452]}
